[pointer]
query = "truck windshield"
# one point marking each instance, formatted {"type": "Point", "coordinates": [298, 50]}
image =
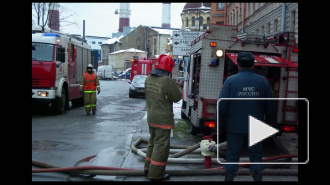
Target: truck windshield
{"type": "Point", "coordinates": [42, 52]}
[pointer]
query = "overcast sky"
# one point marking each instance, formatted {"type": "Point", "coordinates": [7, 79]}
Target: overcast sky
{"type": "Point", "coordinates": [100, 19]}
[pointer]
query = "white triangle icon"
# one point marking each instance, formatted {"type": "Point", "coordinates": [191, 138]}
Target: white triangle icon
{"type": "Point", "coordinates": [259, 131]}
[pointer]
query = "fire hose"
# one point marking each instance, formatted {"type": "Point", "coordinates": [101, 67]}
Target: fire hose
{"type": "Point", "coordinates": [115, 171]}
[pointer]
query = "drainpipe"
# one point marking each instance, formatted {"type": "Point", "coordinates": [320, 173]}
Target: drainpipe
{"type": "Point", "coordinates": [84, 30]}
{"type": "Point", "coordinates": [283, 17]}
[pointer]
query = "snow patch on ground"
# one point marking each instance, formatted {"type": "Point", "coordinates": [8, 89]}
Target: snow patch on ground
{"type": "Point", "coordinates": [177, 109]}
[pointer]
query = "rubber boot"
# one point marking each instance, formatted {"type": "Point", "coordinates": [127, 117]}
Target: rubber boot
{"type": "Point", "coordinates": [165, 177]}
{"type": "Point", "coordinates": [257, 176]}
{"type": "Point", "coordinates": [229, 176]}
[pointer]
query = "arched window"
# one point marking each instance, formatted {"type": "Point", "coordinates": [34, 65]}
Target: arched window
{"type": "Point", "coordinates": [187, 21]}
{"type": "Point", "coordinates": [236, 16]}
{"type": "Point", "coordinates": [201, 21]}
{"type": "Point", "coordinates": [208, 20]}
{"type": "Point", "coordinates": [193, 21]}
{"type": "Point", "coordinates": [233, 20]}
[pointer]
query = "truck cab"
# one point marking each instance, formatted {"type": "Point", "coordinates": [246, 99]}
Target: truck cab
{"type": "Point", "coordinates": [58, 63]}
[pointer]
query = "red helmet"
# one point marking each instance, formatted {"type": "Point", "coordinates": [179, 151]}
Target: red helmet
{"type": "Point", "coordinates": [165, 62]}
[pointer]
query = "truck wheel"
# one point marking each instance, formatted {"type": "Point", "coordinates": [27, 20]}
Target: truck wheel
{"type": "Point", "coordinates": [59, 103]}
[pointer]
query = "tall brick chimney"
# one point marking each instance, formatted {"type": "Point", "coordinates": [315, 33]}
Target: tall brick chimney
{"type": "Point", "coordinates": [54, 17]}
{"type": "Point", "coordinates": [166, 15]}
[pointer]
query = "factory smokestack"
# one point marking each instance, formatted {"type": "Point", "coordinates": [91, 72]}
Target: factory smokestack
{"type": "Point", "coordinates": [54, 17]}
{"type": "Point", "coordinates": [124, 15]}
{"type": "Point", "coordinates": [166, 15]}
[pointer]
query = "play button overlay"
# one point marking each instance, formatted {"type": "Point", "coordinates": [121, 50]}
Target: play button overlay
{"type": "Point", "coordinates": [259, 131]}
{"type": "Point", "coordinates": [286, 142]}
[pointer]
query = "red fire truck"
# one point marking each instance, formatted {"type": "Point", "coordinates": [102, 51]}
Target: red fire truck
{"type": "Point", "coordinates": [142, 67]}
{"type": "Point", "coordinates": [58, 63]}
{"type": "Point", "coordinates": [213, 58]}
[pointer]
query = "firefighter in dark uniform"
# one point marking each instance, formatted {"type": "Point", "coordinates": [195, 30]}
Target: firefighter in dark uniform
{"type": "Point", "coordinates": [234, 114]}
{"type": "Point", "coordinates": [161, 92]}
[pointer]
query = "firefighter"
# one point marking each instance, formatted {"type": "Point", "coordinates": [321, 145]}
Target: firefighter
{"type": "Point", "coordinates": [88, 84]}
{"type": "Point", "coordinates": [161, 92]}
{"type": "Point", "coordinates": [234, 114]}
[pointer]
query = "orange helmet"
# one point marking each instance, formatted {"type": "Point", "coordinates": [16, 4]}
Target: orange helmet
{"type": "Point", "coordinates": [165, 62]}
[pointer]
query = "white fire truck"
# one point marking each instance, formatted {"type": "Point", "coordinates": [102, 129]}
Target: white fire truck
{"type": "Point", "coordinates": [213, 58]}
{"type": "Point", "coordinates": [58, 63]}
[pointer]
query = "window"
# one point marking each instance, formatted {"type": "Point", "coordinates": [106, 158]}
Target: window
{"type": "Point", "coordinates": [268, 28]}
{"type": "Point", "coordinates": [236, 16]}
{"type": "Point", "coordinates": [93, 42]}
{"type": "Point", "coordinates": [43, 52]}
{"type": "Point", "coordinates": [193, 21]}
{"type": "Point", "coordinates": [155, 41]}
{"type": "Point", "coordinates": [220, 6]}
{"type": "Point", "coordinates": [58, 52]}
{"type": "Point", "coordinates": [240, 12]}
{"type": "Point", "coordinates": [187, 21]}
{"type": "Point", "coordinates": [275, 25]}
{"type": "Point", "coordinates": [233, 20]}
{"type": "Point", "coordinates": [292, 20]}
{"type": "Point", "coordinates": [99, 42]}
{"type": "Point", "coordinates": [200, 20]}
{"type": "Point", "coordinates": [248, 9]}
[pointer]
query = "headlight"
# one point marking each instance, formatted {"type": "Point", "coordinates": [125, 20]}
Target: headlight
{"type": "Point", "coordinates": [42, 93]}
{"type": "Point", "coordinates": [219, 53]}
{"type": "Point", "coordinates": [132, 87]}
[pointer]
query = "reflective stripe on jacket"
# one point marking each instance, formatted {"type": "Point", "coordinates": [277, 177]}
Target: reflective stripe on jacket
{"type": "Point", "coordinates": [89, 82]}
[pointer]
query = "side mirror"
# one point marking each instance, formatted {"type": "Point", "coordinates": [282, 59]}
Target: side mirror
{"type": "Point", "coordinates": [61, 54]}
{"type": "Point", "coordinates": [129, 82]}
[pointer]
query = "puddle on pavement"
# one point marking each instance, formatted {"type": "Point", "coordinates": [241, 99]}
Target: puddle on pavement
{"type": "Point", "coordinates": [53, 145]}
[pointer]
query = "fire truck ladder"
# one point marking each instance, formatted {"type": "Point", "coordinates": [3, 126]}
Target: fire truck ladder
{"type": "Point", "coordinates": [291, 107]}
{"type": "Point", "coordinates": [251, 38]}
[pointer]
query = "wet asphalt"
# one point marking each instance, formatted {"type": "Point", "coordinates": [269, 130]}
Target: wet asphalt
{"type": "Point", "coordinates": [66, 139]}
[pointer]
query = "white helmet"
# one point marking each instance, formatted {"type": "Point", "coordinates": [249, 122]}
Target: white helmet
{"type": "Point", "coordinates": [90, 66]}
